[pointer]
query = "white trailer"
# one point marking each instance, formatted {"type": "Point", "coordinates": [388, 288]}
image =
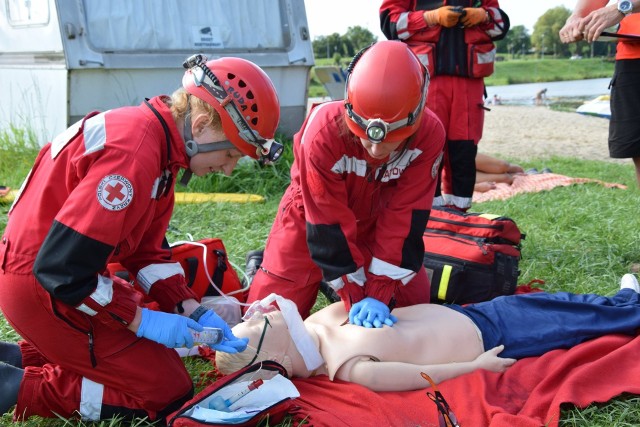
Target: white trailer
{"type": "Point", "coordinates": [60, 59]}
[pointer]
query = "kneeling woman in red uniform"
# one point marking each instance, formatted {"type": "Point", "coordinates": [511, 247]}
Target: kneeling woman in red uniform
{"type": "Point", "coordinates": [362, 185]}
{"type": "Point", "coordinates": [102, 192]}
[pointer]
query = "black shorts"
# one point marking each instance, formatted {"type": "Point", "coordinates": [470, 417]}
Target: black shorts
{"type": "Point", "coordinates": [624, 129]}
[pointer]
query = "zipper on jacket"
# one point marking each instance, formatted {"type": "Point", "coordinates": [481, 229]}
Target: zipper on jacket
{"type": "Point", "coordinates": [88, 333]}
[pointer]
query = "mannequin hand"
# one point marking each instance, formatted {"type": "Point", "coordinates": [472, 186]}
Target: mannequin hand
{"type": "Point", "coordinates": [473, 16]}
{"type": "Point", "coordinates": [371, 313]}
{"type": "Point", "coordinates": [229, 344]}
{"type": "Point", "coordinates": [171, 330]}
{"type": "Point", "coordinates": [446, 16]}
{"type": "Point", "coordinates": [490, 361]}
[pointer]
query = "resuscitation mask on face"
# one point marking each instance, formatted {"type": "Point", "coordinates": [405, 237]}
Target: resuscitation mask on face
{"type": "Point", "coordinates": [301, 338]}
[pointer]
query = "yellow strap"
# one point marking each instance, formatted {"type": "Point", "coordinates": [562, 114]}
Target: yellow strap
{"type": "Point", "coordinates": [444, 282]}
{"type": "Point", "coordinates": [489, 216]}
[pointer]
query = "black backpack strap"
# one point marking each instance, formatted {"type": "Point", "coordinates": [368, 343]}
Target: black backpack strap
{"type": "Point", "coordinates": [192, 263]}
{"type": "Point", "coordinates": [218, 272]}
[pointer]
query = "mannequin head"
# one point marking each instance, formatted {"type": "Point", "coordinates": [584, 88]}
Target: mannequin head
{"type": "Point", "coordinates": [276, 345]}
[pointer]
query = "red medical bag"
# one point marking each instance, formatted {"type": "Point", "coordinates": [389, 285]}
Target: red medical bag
{"type": "Point", "coordinates": [471, 257]}
{"type": "Point", "coordinates": [192, 255]}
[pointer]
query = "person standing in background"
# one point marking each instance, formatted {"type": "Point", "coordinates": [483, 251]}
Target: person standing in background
{"type": "Point", "coordinates": [455, 43]}
{"type": "Point", "coordinates": [588, 20]}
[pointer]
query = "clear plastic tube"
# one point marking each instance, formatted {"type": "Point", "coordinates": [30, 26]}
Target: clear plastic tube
{"type": "Point", "coordinates": [220, 404]}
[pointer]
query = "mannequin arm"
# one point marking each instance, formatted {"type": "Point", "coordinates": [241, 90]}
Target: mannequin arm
{"type": "Point", "coordinates": [399, 376]}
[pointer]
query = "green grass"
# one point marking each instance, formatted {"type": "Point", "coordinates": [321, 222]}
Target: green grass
{"type": "Point", "coordinates": [18, 148]}
{"type": "Point", "coordinates": [581, 238]}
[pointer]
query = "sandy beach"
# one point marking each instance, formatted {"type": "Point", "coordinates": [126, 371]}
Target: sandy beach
{"type": "Point", "coordinates": [526, 132]}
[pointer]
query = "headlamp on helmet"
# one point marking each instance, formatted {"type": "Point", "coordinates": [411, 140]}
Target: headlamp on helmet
{"type": "Point", "coordinates": [385, 92]}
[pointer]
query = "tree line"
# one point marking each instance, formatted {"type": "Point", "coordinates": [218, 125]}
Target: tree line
{"type": "Point", "coordinates": [544, 41]}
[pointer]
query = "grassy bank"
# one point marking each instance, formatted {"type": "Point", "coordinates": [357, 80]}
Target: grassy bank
{"type": "Point", "coordinates": [549, 70]}
{"type": "Point", "coordinates": [528, 70]}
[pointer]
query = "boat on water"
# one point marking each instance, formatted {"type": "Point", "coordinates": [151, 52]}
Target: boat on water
{"type": "Point", "coordinates": [599, 107]}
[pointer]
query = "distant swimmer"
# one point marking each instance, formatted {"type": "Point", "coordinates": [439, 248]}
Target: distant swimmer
{"type": "Point", "coordinates": [540, 96]}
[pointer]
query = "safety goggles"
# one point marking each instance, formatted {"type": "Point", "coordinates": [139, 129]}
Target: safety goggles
{"type": "Point", "coordinates": [446, 418]}
{"type": "Point", "coordinates": [377, 129]}
{"type": "Point", "coordinates": [268, 149]}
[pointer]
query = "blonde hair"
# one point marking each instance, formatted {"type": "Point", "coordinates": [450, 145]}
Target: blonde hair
{"type": "Point", "coordinates": [228, 363]}
{"type": "Point", "coordinates": [180, 101]}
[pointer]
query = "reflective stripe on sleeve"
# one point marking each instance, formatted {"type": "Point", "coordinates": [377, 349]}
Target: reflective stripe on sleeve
{"type": "Point", "coordinates": [402, 25]}
{"type": "Point", "coordinates": [102, 295]}
{"type": "Point", "coordinates": [358, 277]}
{"type": "Point", "coordinates": [383, 268]}
{"type": "Point", "coordinates": [149, 275]}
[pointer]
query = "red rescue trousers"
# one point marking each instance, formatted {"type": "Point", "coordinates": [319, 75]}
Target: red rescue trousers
{"type": "Point", "coordinates": [459, 104]}
{"type": "Point", "coordinates": [132, 377]}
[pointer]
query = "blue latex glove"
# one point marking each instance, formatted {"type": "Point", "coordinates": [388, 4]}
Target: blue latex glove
{"type": "Point", "coordinates": [230, 343]}
{"type": "Point", "coordinates": [371, 313]}
{"type": "Point", "coordinates": [171, 330]}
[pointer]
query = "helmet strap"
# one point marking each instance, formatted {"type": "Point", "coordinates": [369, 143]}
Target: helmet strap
{"type": "Point", "coordinates": [188, 139]}
{"type": "Point", "coordinates": [186, 177]}
{"type": "Point", "coordinates": [192, 148]}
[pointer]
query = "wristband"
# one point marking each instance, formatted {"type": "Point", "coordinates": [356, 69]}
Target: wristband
{"type": "Point", "coordinates": [198, 312]}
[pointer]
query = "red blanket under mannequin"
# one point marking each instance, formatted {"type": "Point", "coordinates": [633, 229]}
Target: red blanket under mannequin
{"type": "Point", "coordinates": [529, 394]}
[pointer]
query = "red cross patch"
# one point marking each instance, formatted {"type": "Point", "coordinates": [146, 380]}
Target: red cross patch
{"type": "Point", "coordinates": [115, 192]}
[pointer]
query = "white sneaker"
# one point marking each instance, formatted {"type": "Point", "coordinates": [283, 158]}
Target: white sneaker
{"type": "Point", "coordinates": [629, 281]}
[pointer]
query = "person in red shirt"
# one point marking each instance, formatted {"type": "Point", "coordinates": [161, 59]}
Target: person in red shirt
{"type": "Point", "coordinates": [101, 192]}
{"type": "Point", "coordinates": [362, 185]}
{"type": "Point", "coordinates": [455, 42]}
{"type": "Point", "coordinates": [588, 20]}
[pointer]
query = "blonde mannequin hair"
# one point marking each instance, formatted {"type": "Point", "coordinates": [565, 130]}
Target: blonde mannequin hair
{"type": "Point", "coordinates": [228, 363]}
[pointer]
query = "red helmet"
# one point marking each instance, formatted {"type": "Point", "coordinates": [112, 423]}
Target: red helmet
{"type": "Point", "coordinates": [245, 98]}
{"type": "Point", "coordinates": [386, 92]}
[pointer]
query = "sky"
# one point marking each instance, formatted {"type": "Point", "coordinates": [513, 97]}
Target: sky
{"type": "Point", "coordinates": [336, 16]}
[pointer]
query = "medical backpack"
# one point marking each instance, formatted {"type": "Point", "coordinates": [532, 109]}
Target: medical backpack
{"type": "Point", "coordinates": [203, 261]}
{"type": "Point", "coordinates": [471, 257]}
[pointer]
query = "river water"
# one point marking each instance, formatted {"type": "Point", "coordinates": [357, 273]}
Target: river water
{"type": "Point", "coordinates": [570, 90]}
{"type": "Point", "coordinates": [523, 94]}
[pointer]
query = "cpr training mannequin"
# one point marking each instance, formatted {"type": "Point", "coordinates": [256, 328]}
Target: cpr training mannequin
{"type": "Point", "coordinates": [444, 341]}
{"type": "Point", "coordinates": [101, 192]}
